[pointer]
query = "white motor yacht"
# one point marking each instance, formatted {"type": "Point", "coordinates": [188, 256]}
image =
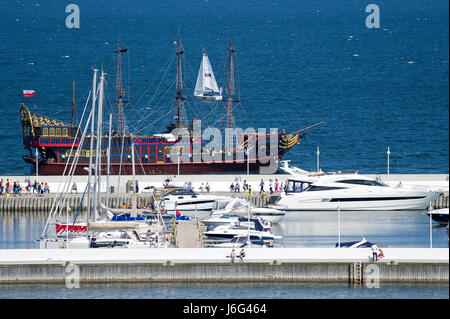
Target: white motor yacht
{"type": "Point", "coordinates": [242, 241]}
{"type": "Point", "coordinates": [188, 202]}
{"type": "Point", "coordinates": [239, 206]}
{"type": "Point", "coordinates": [230, 220]}
{"type": "Point", "coordinates": [351, 192]}
{"type": "Point", "coordinates": [228, 232]}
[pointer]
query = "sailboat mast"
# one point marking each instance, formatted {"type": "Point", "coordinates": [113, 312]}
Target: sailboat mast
{"type": "Point", "coordinates": [230, 86]}
{"type": "Point", "coordinates": [108, 161]}
{"type": "Point", "coordinates": [133, 212]}
{"type": "Point", "coordinates": [98, 152]}
{"type": "Point", "coordinates": [179, 96]}
{"type": "Point", "coordinates": [94, 98]}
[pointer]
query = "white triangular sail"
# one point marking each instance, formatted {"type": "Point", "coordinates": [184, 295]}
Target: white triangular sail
{"type": "Point", "coordinates": [206, 81]}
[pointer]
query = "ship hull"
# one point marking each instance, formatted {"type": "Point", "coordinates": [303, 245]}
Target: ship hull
{"type": "Point", "coordinates": [155, 169]}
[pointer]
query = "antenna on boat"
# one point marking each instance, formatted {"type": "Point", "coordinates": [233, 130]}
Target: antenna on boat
{"type": "Point", "coordinates": [119, 90]}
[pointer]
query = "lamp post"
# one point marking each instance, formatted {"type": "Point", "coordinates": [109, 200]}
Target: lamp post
{"type": "Point", "coordinates": [339, 226]}
{"type": "Point", "coordinates": [178, 163]}
{"type": "Point", "coordinates": [318, 153]}
{"type": "Point", "coordinates": [388, 153]}
{"type": "Point", "coordinates": [248, 163]}
{"type": "Point", "coordinates": [37, 163]}
{"type": "Point", "coordinates": [431, 227]}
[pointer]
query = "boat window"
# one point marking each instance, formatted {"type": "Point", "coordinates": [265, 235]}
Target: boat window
{"type": "Point", "coordinates": [189, 192]}
{"type": "Point", "coordinates": [237, 205]}
{"type": "Point", "coordinates": [45, 131]}
{"type": "Point", "coordinates": [58, 132]}
{"type": "Point", "coordinates": [51, 131]}
{"type": "Point", "coordinates": [321, 188]}
{"type": "Point", "coordinates": [297, 186]}
{"type": "Point", "coordinates": [177, 192]}
{"type": "Point", "coordinates": [362, 182]}
{"type": "Point", "coordinates": [65, 132]}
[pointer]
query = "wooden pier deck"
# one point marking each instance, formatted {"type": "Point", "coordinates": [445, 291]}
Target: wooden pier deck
{"type": "Point", "coordinates": [187, 234]}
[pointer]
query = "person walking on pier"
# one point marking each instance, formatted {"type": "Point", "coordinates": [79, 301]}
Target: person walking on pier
{"type": "Point", "coordinates": [374, 252]}
{"type": "Point", "coordinates": [262, 187]}
{"type": "Point", "coordinates": [35, 187]}
{"type": "Point", "coordinates": [232, 255]}
{"type": "Point", "coordinates": [242, 255]}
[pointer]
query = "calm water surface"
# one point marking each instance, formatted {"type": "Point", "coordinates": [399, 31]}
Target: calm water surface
{"type": "Point", "coordinates": [227, 291]}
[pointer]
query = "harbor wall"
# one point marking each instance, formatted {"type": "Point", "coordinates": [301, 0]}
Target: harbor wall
{"type": "Point", "coordinates": [352, 265]}
{"type": "Point", "coordinates": [227, 272]}
{"type": "Point", "coordinates": [43, 203]}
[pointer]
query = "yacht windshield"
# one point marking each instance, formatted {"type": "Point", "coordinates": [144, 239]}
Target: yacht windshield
{"type": "Point", "coordinates": [363, 182]}
{"type": "Point", "coordinates": [322, 188]}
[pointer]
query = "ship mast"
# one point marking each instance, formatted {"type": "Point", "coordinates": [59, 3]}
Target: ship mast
{"type": "Point", "coordinates": [74, 109]}
{"type": "Point", "coordinates": [119, 90]}
{"type": "Point", "coordinates": [179, 88]}
{"type": "Point", "coordinates": [231, 89]}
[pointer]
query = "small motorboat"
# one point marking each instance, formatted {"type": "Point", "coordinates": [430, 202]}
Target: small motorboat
{"type": "Point", "coordinates": [240, 206]}
{"type": "Point", "coordinates": [242, 241]}
{"type": "Point", "coordinates": [228, 232]}
{"type": "Point", "coordinates": [363, 243]}
{"type": "Point", "coordinates": [439, 216]}
{"type": "Point", "coordinates": [231, 220]}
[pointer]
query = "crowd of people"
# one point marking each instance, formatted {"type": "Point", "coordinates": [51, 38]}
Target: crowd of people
{"type": "Point", "coordinates": [203, 188]}
{"type": "Point", "coordinates": [17, 189]}
{"type": "Point", "coordinates": [274, 186]}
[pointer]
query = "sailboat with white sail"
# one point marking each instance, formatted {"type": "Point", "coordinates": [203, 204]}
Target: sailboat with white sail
{"type": "Point", "coordinates": [206, 86]}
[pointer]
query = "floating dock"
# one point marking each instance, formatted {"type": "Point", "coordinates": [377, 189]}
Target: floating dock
{"type": "Point", "coordinates": [353, 265]}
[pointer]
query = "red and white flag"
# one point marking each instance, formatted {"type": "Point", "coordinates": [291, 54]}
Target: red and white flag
{"type": "Point", "coordinates": [28, 93]}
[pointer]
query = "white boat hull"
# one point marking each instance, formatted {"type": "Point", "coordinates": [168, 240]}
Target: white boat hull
{"type": "Point", "coordinates": [209, 97]}
{"type": "Point", "coordinates": [308, 201]}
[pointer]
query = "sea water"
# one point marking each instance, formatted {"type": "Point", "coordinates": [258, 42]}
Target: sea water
{"type": "Point", "coordinates": [298, 63]}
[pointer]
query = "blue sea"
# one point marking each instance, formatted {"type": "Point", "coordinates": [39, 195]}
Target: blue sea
{"type": "Point", "coordinates": [298, 63]}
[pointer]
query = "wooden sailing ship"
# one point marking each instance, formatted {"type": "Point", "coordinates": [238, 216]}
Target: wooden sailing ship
{"type": "Point", "coordinates": [52, 140]}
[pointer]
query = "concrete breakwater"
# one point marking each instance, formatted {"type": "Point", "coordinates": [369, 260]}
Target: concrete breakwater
{"type": "Point", "coordinates": [212, 265]}
{"type": "Point", "coordinates": [43, 203]}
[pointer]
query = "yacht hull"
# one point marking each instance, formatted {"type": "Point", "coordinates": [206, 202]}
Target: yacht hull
{"type": "Point", "coordinates": [354, 202]}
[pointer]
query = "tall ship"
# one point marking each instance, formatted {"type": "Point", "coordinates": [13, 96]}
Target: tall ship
{"type": "Point", "coordinates": [180, 148]}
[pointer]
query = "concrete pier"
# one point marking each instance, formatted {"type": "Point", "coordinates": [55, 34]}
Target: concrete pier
{"type": "Point", "coordinates": [212, 265]}
{"type": "Point", "coordinates": [187, 234]}
{"type": "Point", "coordinates": [122, 192]}
{"type": "Point", "coordinates": [26, 203]}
